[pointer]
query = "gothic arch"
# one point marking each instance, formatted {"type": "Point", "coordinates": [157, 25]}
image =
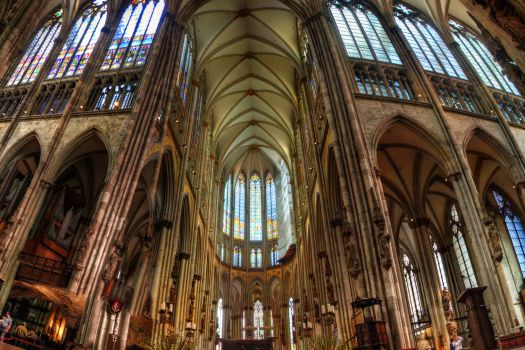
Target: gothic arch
{"type": "Point", "coordinates": [26, 146]}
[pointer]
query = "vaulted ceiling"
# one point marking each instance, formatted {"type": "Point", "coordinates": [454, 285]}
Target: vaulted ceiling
{"type": "Point", "coordinates": [249, 53]}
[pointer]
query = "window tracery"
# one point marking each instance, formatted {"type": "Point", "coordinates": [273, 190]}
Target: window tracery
{"type": "Point", "coordinates": [255, 208]}
{"type": "Point", "coordinates": [273, 255]}
{"type": "Point", "coordinates": [412, 287]}
{"type": "Point", "coordinates": [460, 249]}
{"type": "Point", "coordinates": [80, 42]}
{"type": "Point", "coordinates": [440, 266]}
{"type": "Point", "coordinates": [514, 227]}
{"type": "Point", "coordinates": [185, 68]}
{"type": "Point", "coordinates": [479, 56]}
{"type": "Point", "coordinates": [238, 220]}
{"type": "Point", "coordinates": [427, 44]}
{"type": "Point", "coordinates": [36, 53]}
{"type": "Point", "coordinates": [272, 225]}
{"type": "Point", "coordinates": [363, 34]}
{"type": "Point", "coordinates": [227, 206]}
{"type": "Point", "coordinates": [258, 320]}
{"type": "Point", "coordinates": [135, 33]}
{"type": "Point", "coordinates": [237, 256]}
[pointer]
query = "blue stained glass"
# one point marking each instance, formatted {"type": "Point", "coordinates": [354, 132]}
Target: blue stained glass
{"type": "Point", "coordinates": [239, 214]}
{"type": "Point", "coordinates": [135, 33]}
{"type": "Point", "coordinates": [255, 208]}
{"type": "Point", "coordinates": [363, 34]}
{"type": "Point", "coordinates": [478, 55]}
{"type": "Point", "coordinates": [91, 46]}
{"type": "Point", "coordinates": [272, 225]}
{"type": "Point", "coordinates": [37, 51]}
{"type": "Point", "coordinates": [227, 206]}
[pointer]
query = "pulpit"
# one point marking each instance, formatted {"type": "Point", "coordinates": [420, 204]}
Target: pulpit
{"type": "Point", "coordinates": [480, 326]}
{"type": "Point", "coordinates": [248, 344]}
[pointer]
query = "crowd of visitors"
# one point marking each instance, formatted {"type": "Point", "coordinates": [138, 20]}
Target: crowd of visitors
{"type": "Point", "coordinates": [20, 332]}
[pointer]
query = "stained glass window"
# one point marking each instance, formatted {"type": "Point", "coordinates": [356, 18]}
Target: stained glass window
{"type": "Point", "coordinates": [259, 258]}
{"type": "Point", "coordinates": [363, 34]}
{"type": "Point", "coordinates": [479, 56]}
{"type": "Point", "coordinates": [514, 227]}
{"type": "Point", "coordinates": [427, 44]}
{"type": "Point", "coordinates": [256, 258]}
{"type": "Point", "coordinates": [460, 248]}
{"type": "Point", "coordinates": [438, 259]}
{"type": "Point", "coordinates": [415, 304]}
{"type": "Point", "coordinates": [255, 208]}
{"type": "Point", "coordinates": [237, 256]}
{"type": "Point", "coordinates": [258, 320]}
{"type": "Point", "coordinates": [220, 317]}
{"type": "Point", "coordinates": [132, 41]}
{"type": "Point", "coordinates": [239, 214]}
{"type": "Point", "coordinates": [272, 225]}
{"type": "Point", "coordinates": [81, 41]}
{"type": "Point", "coordinates": [273, 255]}
{"type": "Point", "coordinates": [291, 322]}
{"type": "Point", "coordinates": [37, 52]}
{"type": "Point", "coordinates": [227, 206]}
{"type": "Point", "coordinates": [253, 258]}
{"type": "Point", "coordinates": [185, 68]}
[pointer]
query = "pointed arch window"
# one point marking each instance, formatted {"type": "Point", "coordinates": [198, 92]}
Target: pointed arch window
{"type": "Point", "coordinates": [413, 291]}
{"type": "Point", "coordinates": [135, 33]}
{"type": "Point", "coordinates": [185, 68]}
{"type": "Point", "coordinates": [273, 255]}
{"type": "Point", "coordinates": [220, 317]}
{"type": "Point", "coordinates": [363, 34]}
{"type": "Point", "coordinates": [227, 206]}
{"type": "Point", "coordinates": [258, 320]}
{"type": "Point", "coordinates": [238, 220]}
{"type": "Point", "coordinates": [237, 256]}
{"type": "Point", "coordinates": [291, 322]}
{"type": "Point", "coordinates": [514, 227]}
{"type": "Point", "coordinates": [479, 56]}
{"type": "Point", "coordinates": [460, 248]}
{"type": "Point", "coordinates": [272, 225]}
{"type": "Point", "coordinates": [255, 208]}
{"type": "Point", "coordinates": [438, 259]}
{"type": "Point", "coordinates": [36, 53]}
{"type": "Point", "coordinates": [427, 44]}
{"type": "Point", "coordinates": [81, 41]}
{"type": "Point", "coordinates": [256, 258]}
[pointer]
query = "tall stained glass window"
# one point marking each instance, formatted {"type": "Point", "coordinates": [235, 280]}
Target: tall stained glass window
{"type": "Point", "coordinates": [227, 206]}
{"type": "Point", "coordinates": [37, 52]}
{"type": "Point", "coordinates": [255, 208]}
{"type": "Point", "coordinates": [427, 44]}
{"type": "Point", "coordinates": [479, 56]}
{"type": "Point", "coordinates": [460, 248]}
{"type": "Point", "coordinates": [272, 226]}
{"type": "Point", "coordinates": [239, 214]}
{"type": "Point", "coordinates": [415, 304]}
{"type": "Point", "coordinates": [237, 256]}
{"type": "Point", "coordinates": [291, 322]}
{"type": "Point", "coordinates": [438, 259]}
{"type": "Point", "coordinates": [220, 317]}
{"type": "Point", "coordinates": [135, 32]}
{"type": "Point", "coordinates": [256, 258]}
{"type": "Point", "coordinates": [514, 227]}
{"type": "Point", "coordinates": [258, 320]}
{"type": "Point", "coordinates": [185, 68]}
{"type": "Point", "coordinates": [363, 34]}
{"type": "Point", "coordinates": [81, 41]}
{"type": "Point", "coordinates": [273, 255]}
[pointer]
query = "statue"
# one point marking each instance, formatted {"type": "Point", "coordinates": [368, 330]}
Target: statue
{"type": "Point", "coordinates": [384, 251]}
{"type": "Point", "coordinates": [446, 299]}
{"type": "Point", "coordinates": [495, 244]}
{"type": "Point", "coordinates": [330, 291]}
{"type": "Point", "coordinates": [353, 263]}
{"type": "Point", "coordinates": [114, 260]}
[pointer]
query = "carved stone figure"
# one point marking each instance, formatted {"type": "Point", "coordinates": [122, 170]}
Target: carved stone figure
{"type": "Point", "coordinates": [353, 263]}
{"type": "Point", "coordinates": [384, 251]}
{"type": "Point", "coordinates": [494, 241]}
{"type": "Point", "coordinates": [446, 299]}
{"type": "Point", "coordinates": [112, 265]}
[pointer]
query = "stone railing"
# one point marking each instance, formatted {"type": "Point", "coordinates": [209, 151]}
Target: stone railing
{"type": "Point", "coordinates": [384, 80]}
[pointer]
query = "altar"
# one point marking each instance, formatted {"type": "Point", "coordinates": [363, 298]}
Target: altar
{"type": "Point", "coordinates": [248, 344]}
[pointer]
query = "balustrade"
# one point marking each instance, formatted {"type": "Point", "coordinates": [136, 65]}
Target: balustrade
{"type": "Point", "coordinates": [40, 269]}
{"type": "Point", "coordinates": [10, 99]}
{"type": "Point", "coordinates": [384, 80]}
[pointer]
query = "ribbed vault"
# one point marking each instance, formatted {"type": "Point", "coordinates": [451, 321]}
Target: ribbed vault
{"type": "Point", "coordinates": [249, 53]}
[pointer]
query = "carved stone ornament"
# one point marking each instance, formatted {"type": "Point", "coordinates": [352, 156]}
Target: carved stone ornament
{"type": "Point", "coordinates": [446, 299]}
{"type": "Point", "coordinates": [352, 259]}
{"type": "Point", "coordinates": [113, 262]}
{"type": "Point", "coordinates": [384, 251]}
{"type": "Point", "coordinates": [494, 241]}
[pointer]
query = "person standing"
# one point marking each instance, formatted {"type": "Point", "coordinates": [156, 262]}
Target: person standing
{"type": "Point", "coordinates": [5, 325]}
